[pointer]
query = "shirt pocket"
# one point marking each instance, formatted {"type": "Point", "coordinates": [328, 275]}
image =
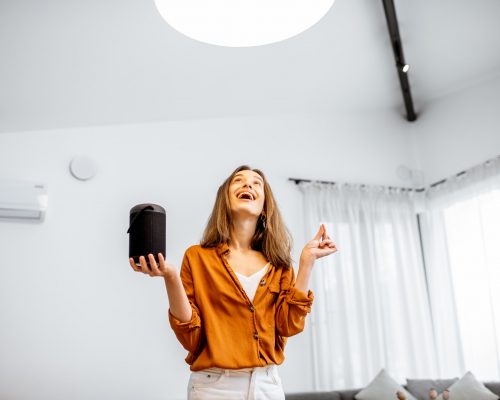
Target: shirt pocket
{"type": "Point", "coordinates": [270, 304]}
{"type": "Point", "coordinates": [272, 295]}
{"type": "Point", "coordinates": [274, 288]}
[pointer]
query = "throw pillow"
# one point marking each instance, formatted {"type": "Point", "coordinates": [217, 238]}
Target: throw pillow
{"type": "Point", "coordinates": [382, 387]}
{"type": "Point", "coordinates": [467, 388]}
{"type": "Point", "coordinates": [420, 387]}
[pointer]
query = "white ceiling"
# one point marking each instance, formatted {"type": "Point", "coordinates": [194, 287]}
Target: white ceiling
{"type": "Point", "coordinates": [68, 63]}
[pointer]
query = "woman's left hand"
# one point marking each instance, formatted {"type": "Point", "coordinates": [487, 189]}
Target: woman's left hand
{"type": "Point", "coordinates": [320, 246]}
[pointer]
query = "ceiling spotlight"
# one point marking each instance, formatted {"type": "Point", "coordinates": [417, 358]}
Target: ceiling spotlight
{"type": "Point", "coordinates": [242, 23]}
{"type": "Point", "coordinates": [405, 68]}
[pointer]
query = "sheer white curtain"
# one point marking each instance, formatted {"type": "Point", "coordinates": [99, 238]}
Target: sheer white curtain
{"type": "Point", "coordinates": [371, 305]}
{"type": "Point", "coordinates": [461, 236]}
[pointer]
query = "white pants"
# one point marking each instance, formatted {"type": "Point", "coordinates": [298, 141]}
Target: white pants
{"type": "Point", "coordinates": [260, 383]}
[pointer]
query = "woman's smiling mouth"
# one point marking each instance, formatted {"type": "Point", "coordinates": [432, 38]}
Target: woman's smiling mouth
{"type": "Point", "coordinates": [245, 196]}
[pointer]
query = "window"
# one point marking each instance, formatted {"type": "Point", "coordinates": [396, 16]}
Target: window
{"type": "Point", "coordinates": [473, 238]}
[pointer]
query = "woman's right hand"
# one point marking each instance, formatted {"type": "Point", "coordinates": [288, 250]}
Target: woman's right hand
{"type": "Point", "coordinates": [165, 270]}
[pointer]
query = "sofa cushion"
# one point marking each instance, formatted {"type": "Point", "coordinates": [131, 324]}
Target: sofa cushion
{"type": "Point", "coordinates": [494, 387]}
{"type": "Point", "coordinates": [382, 387]}
{"type": "Point", "coordinates": [420, 387]}
{"type": "Point", "coordinates": [467, 388]}
{"type": "Point", "coordinates": [349, 394]}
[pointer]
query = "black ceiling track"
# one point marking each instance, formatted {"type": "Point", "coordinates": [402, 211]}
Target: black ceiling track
{"type": "Point", "coordinates": [397, 47]}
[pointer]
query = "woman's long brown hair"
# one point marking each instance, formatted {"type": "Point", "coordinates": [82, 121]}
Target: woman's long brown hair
{"type": "Point", "coordinates": [271, 237]}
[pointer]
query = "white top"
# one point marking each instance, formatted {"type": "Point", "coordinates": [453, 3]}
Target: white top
{"type": "Point", "coordinates": [250, 283]}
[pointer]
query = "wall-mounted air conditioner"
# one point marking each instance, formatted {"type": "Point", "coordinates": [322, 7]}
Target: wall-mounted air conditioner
{"type": "Point", "coordinates": [22, 201]}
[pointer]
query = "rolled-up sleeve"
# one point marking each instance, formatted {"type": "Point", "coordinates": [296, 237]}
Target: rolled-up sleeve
{"type": "Point", "coordinates": [292, 306]}
{"type": "Point", "coordinates": [188, 333]}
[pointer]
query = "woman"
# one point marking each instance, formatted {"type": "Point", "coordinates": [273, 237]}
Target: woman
{"type": "Point", "coordinates": [236, 300]}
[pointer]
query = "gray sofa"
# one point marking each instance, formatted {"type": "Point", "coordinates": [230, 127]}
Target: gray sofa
{"type": "Point", "coordinates": [349, 394]}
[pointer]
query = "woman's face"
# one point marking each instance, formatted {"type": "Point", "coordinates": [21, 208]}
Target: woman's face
{"type": "Point", "coordinates": [246, 194]}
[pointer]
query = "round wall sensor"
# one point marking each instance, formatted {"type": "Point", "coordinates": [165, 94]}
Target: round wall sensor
{"type": "Point", "coordinates": [82, 168]}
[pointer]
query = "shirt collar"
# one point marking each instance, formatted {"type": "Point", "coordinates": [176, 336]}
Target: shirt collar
{"type": "Point", "coordinates": [222, 248]}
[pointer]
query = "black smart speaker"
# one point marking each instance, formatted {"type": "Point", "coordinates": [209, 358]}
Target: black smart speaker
{"type": "Point", "coordinates": [146, 231]}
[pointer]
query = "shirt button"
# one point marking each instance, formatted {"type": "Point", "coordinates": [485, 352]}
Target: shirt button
{"type": "Point", "coordinates": [252, 309]}
{"type": "Point", "coordinates": [256, 336]}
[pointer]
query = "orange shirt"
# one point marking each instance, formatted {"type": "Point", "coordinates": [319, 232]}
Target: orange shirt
{"type": "Point", "coordinates": [226, 329]}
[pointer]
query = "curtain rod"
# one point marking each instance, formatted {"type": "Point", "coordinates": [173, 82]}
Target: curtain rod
{"type": "Point", "coordinates": [298, 180]}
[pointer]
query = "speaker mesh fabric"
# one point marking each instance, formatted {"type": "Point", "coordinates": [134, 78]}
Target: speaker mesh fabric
{"type": "Point", "coordinates": [147, 231]}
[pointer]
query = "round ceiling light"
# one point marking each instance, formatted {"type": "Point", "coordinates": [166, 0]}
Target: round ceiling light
{"type": "Point", "coordinates": [242, 23]}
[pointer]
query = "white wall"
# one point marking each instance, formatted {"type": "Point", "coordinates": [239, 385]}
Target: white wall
{"type": "Point", "coordinates": [456, 132]}
{"type": "Point", "coordinates": [76, 321]}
